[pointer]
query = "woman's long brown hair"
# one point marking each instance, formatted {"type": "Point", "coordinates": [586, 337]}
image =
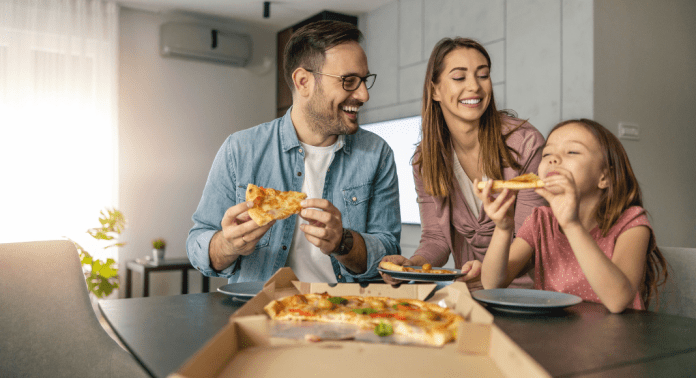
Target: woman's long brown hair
{"type": "Point", "coordinates": [434, 153]}
{"type": "Point", "coordinates": [622, 193]}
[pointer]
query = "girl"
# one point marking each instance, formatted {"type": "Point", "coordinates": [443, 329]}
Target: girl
{"type": "Point", "coordinates": [465, 137]}
{"type": "Point", "coordinates": [594, 241]}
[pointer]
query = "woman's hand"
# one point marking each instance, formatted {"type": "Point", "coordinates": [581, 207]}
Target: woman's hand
{"type": "Point", "coordinates": [473, 274]}
{"type": "Point", "coordinates": [500, 208]}
{"type": "Point", "coordinates": [398, 260]}
{"type": "Point", "coordinates": [561, 194]}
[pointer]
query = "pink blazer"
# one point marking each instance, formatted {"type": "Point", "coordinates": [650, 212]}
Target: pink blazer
{"type": "Point", "coordinates": [448, 226]}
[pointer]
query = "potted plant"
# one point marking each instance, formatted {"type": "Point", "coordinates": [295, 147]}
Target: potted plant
{"type": "Point", "coordinates": [158, 246]}
{"type": "Point", "coordinates": [102, 276]}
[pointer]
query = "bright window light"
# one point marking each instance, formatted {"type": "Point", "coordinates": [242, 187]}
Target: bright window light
{"type": "Point", "coordinates": [402, 135]}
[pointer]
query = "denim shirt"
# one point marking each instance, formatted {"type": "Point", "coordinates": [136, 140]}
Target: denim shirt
{"type": "Point", "coordinates": [361, 182]}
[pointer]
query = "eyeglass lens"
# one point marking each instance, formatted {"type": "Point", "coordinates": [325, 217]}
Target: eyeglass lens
{"type": "Point", "coordinates": [351, 83]}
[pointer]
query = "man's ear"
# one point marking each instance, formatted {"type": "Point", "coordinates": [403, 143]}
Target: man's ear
{"type": "Point", "coordinates": [604, 180]}
{"type": "Point", "coordinates": [303, 81]}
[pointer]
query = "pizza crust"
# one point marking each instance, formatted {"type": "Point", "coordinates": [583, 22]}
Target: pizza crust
{"type": "Point", "coordinates": [526, 181]}
{"type": "Point", "coordinates": [271, 204]}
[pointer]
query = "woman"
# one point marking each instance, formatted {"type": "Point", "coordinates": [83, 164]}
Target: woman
{"type": "Point", "coordinates": [464, 137]}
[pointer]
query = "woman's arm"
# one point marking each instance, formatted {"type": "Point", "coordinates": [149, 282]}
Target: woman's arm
{"type": "Point", "coordinates": [433, 247]}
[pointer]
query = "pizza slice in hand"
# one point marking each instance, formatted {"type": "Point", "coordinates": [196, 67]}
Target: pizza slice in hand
{"type": "Point", "coordinates": [526, 181]}
{"type": "Point", "coordinates": [270, 204]}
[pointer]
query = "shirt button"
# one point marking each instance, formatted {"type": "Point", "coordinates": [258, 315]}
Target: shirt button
{"type": "Point", "coordinates": [340, 277]}
{"type": "Point", "coordinates": [284, 248]}
{"type": "Point", "coordinates": [299, 173]}
{"type": "Point", "coordinates": [300, 150]}
{"type": "Point", "coordinates": [355, 199]}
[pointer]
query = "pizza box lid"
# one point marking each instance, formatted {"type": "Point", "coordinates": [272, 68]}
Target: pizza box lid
{"type": "Point", "coordinates": [244, 348]}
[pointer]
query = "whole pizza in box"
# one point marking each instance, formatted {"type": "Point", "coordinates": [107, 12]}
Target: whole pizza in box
{"type": "Point", "coordinates": [424, 322]}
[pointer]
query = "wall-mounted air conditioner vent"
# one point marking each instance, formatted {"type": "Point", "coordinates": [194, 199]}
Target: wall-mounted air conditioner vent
{"type": "Point", "coordinates": [203, 42]}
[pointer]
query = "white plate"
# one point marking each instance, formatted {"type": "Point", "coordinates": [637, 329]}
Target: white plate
{"type": "Point", "coordinates": [525, 300]}
{"type": "Point", "coordinates": [242, 289]}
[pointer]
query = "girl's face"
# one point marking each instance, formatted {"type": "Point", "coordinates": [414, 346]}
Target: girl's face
{"type": "Point", "coordinates": [573, 148]}
{"type": "Point", "coordinates": [464, 88]}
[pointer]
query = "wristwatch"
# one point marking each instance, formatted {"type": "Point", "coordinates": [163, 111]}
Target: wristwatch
{"type": "Point", "coordinates": [345, 245]}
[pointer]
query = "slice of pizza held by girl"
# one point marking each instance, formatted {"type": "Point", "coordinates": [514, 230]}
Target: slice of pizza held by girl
{"type": "Point", "coordinates": [270, 204]}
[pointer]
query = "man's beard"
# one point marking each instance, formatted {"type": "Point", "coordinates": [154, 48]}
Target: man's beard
{"type": "Point", "coordinates": [324, 121]}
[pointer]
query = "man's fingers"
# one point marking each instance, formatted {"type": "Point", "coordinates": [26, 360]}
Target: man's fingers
{"type": "Point", "coordinates": [235, 211]}
{"type": "Point", "coordinates": [322, 244]}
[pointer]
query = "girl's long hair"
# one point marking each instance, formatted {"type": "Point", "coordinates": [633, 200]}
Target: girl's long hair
{"type": "Point", "coordinates": [434, 153]}
{"type": "Point", "coordinates": [622, 193]}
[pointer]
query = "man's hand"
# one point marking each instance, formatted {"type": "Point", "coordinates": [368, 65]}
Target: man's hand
{"type": "Point", "coordinates": [238, 237]}
{"type": "Point", "coordinates": [325, 227]}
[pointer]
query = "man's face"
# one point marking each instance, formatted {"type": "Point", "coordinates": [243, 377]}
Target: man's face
{"type": "Point", "coordinates": [331, 110]}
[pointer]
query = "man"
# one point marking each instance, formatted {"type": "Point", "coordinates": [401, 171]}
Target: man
{"type": "Point", "coordinates": [350, 219]}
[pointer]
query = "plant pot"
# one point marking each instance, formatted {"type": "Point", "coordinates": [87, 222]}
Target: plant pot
{"type": "Point", "coordinates": [157, 255]}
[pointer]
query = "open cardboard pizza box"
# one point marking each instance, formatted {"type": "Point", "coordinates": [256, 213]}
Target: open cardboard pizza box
{"type": "Point", "coordinates": [244, 347]}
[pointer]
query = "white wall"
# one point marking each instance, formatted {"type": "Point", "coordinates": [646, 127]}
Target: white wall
{"type": "Point", "coordinates": [173, 116]}
{"type": "Point", "coordinates": [645, 74]}
{"type": "Point", "coordinates": [541, 53]}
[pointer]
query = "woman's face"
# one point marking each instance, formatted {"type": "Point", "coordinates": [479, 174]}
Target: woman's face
{"type": "Point", "coordinates": [464, 88]}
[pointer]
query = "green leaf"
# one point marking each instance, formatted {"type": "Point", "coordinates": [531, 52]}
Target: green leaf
{"type": "Point", "coordinates": [102, 276]}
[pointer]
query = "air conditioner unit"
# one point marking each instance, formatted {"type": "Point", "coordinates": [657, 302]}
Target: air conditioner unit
{"type": "Point", "coordinates": [203, 42]}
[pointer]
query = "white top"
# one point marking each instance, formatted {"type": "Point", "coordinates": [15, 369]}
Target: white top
{"type": "Point", "coordinates": [306, 260]}
{"type": "Point", "coordinates": [467, 187]}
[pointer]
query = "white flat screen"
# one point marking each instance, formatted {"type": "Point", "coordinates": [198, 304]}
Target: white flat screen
{"type": "Point", "coordinates": [402, 135]}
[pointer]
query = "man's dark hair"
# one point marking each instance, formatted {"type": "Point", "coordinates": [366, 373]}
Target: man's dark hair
{"type": "Point", "coordinates": [307, 45]}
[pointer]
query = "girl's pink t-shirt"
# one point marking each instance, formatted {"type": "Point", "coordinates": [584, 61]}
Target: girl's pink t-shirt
{"type": "Point", "coordinates": [555, 265]}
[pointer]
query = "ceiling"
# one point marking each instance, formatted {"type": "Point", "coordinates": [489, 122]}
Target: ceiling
{"type": "Point", "coordinates": [283, 13]}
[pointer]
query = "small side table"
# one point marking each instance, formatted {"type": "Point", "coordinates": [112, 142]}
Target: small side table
{"type": "Point", "coordinates": [182, 264]}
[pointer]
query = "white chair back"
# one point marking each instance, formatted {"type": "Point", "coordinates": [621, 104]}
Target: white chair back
{"type": "Point", "coordinates": [679, 294]}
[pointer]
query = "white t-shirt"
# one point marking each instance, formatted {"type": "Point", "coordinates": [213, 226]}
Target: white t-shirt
{"type": "Point", "coordinates": [467, 187]}
{"type": "Point", "coordinates": [306, 260]}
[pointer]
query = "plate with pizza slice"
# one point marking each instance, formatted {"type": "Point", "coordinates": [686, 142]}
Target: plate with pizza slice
{"type": "Point", "coordinates": [419, 273]}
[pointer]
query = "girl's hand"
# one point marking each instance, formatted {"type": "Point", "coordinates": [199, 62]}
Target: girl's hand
{"type": "Point", "coordinates": [561, 194]}
{"type": "Point", "coordinates": [500, 208]}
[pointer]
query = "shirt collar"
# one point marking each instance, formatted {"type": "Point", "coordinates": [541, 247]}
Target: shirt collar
{"type": "Point", "coordinates": [288, 136]}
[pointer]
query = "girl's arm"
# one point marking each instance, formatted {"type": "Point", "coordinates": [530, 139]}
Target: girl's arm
{"type": "Point", "coordinates": [615, 281]}
{"type": "Point", "coordinates": [502, 262]}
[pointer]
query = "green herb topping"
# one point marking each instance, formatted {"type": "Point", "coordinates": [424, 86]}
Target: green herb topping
{"type": "Point", "coordinates": [383, 329]}
{"type": "Point", "coordinates": [337, 300]}
{"type": "Point", "coordinates": [364, 311]}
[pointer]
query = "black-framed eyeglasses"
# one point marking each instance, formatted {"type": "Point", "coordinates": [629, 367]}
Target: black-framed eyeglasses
{"type": "Point", "coordinates": [352, 82]}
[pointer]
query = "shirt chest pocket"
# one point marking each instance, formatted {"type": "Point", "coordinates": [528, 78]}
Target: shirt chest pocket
{"type": "Point", "coordinates": [265, 239]}
{"type": "Point", "coordinates": [357, 204]}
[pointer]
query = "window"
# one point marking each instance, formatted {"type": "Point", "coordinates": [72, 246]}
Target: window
{"type": "Point", "coordinates": [58, 140]}
{"type": "Point", "coordinates": [402, 135]}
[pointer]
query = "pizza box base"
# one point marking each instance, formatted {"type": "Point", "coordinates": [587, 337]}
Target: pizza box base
{"type": "Point", "coordinates": [243, 348]}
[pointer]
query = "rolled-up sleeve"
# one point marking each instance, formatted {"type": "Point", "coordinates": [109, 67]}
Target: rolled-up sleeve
{"type": "Point", "coordinates": [211, 208]}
